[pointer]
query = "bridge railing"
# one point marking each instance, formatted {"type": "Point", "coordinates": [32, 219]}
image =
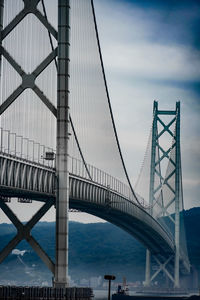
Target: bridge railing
{"type": "Point", "coordinates": [17, 145]}
{"type": "Point", "coordinates": [27, 149]}
{"type": "Point", "coordinates": [77, 167]}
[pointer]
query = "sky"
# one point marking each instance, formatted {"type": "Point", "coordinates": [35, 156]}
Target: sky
{"type": "Point", "coordinates": [151, 51]}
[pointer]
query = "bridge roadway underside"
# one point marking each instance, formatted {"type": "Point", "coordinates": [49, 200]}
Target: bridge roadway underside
{"type": "Point", "coordinates": [94, 199]}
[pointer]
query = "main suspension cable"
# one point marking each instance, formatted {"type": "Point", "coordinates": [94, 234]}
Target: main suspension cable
{"type": "Point", "coordinates": [110, 108]}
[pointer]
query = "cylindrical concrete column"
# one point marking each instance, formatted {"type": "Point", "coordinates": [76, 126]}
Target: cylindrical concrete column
{"type": "Point", "coordinates": [62, 198]}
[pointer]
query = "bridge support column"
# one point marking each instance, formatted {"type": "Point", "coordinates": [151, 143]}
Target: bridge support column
{"type": "Point", "coordinates": [168, 208]}
{"type": "Point", "coordinates": [62, 198]}
{"type": "Point", "coordinates": [177, 198]}
{"type": "Point", "coordinates": [148, 269]}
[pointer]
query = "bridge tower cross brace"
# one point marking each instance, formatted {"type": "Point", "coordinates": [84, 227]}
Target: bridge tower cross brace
{"type": "Point", "coordinates": [60, 268]}
{"type": "Point", "coordinates": [155, 170]}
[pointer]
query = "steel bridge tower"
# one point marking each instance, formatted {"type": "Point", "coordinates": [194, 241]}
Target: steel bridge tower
{"type": "Point", "coordinates": [158, 154]}
{"type": "Point", "coordinates": [61, 112]}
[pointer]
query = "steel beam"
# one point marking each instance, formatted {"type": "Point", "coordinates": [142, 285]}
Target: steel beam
{"type": "Point", "coordinates": [151, 186]}
{"type": "Point", "coordinates": [48, 26]}
{"type": "Point", "coordinates": [9, 247]}
{"type": "Point", "coordinates": [162, 267]}
{"type": "Point", "coordinates": [45, 100]}
{"type": "Point", "coordinates": [23, 232]}
{"type": "Point", "coordinates": [62, 198]}
{"type": "Point", "coordinates": [28, 81]}
{"type": "Point", "coordinates": [41, 253]}
{"type": "Point", "coordinates": [155, 169]}
{"type": "Point", "coordinates": [29, 7]}
{"type": "Point", "coordinates": [11, 61]}
{"type": "Point", "coordinates": [177, 199]}
{"type": "Point", "coordinates": [21, 15]}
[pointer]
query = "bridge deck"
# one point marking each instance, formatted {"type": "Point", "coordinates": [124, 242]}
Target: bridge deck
{"type": "Point", "coordinates": [20, 178]}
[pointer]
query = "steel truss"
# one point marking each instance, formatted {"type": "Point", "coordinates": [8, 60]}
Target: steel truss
{"type": "Point", "coordinates": [158, 154]}
{"type": "Point", "coordinates": [26, 176]}
{"type": "Point", "coordinates": [24, 232]}
{"type": "Point", "coordinates": [28, 81]}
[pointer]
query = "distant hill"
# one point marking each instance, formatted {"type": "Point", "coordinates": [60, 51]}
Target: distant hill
{"type": "Point", "coordinates": [192, 227]}
{"type": "Point", "coordinates": [94, 250]}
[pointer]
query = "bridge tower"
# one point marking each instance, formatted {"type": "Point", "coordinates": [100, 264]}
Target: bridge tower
{"type": "Point", "coordinates": [61, 112]}
{"type": "Point", "coordinates": [62, 197]}
{"type": "Point", "coordinates": [165, 122]}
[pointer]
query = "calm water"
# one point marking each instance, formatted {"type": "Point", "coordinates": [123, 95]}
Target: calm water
{"type": "Point", "coordinates": [102, 295]}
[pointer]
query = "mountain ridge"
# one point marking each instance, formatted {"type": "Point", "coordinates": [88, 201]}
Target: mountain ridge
{"type": "Point", "coordinates": [94, 250]}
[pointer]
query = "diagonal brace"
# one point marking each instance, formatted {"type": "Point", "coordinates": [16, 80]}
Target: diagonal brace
{"type": "Point", "coordinates": [165, 211]}
{"type": "Point", "coordinates": [24, 233]}
{"type": "Point", "coordinates": [29, 7]}
{"type": "Point", "coordinates": [162, 267]}
{"type": "Point", "coordinates": [165, 154]}
{"type": "Point", "coordinates": [11, 61]}
{"type": "Point", "coordinates": [28, 81]}
{"type": "Point", "coordinates": [166, 127]}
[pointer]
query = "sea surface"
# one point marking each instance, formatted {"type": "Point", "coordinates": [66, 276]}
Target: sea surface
{"type": "Point", "coordinates": [102, 294]}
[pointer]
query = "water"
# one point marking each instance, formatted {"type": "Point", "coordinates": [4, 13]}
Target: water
{"type": "Point", "coordinates": [102, 294]}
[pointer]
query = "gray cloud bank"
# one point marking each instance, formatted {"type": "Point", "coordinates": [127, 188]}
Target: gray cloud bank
{"type": "Point", "coordinates": [151, 51]}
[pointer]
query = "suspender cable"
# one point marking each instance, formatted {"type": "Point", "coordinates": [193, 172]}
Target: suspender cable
{"type": "Point", "coordinates": [50, 37]}
{"type": "Point", "coordinates": [109, 104]}
{"type": "Point", "coordinates": [70, 118]}
{"type": "Point", "coordinates": [79, 148]}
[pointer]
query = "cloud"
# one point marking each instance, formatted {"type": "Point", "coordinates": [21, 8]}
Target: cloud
{"type": "Point", "coordinates": [173, 22]}
{"type": "Point", "coordinates": [150, 52]}
{"type": "Point", "coordinates": [152, 61]}
{"type": "Point", "coordinates": [140, 43]}
{"type": "Point", "coordinates": [18, 252]}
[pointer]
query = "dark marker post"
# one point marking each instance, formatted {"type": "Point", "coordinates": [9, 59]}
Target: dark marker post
{"type": "Point", "coordinates": [109, 278]}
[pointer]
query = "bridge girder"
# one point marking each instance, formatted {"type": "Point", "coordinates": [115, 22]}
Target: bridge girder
{"type": "Point", "coordinates": [90, 197]}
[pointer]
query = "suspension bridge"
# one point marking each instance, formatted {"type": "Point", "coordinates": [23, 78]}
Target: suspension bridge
{"type": "Point", "coordinates": [59, 144]}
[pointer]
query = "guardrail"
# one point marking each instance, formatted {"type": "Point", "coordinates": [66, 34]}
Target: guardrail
{"type": "Point", "coordinates": [18, 148]}
{"type": "Point", "coordinates": [26, 149]}
{"type": "Point", "coordinates": [77, 167]}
